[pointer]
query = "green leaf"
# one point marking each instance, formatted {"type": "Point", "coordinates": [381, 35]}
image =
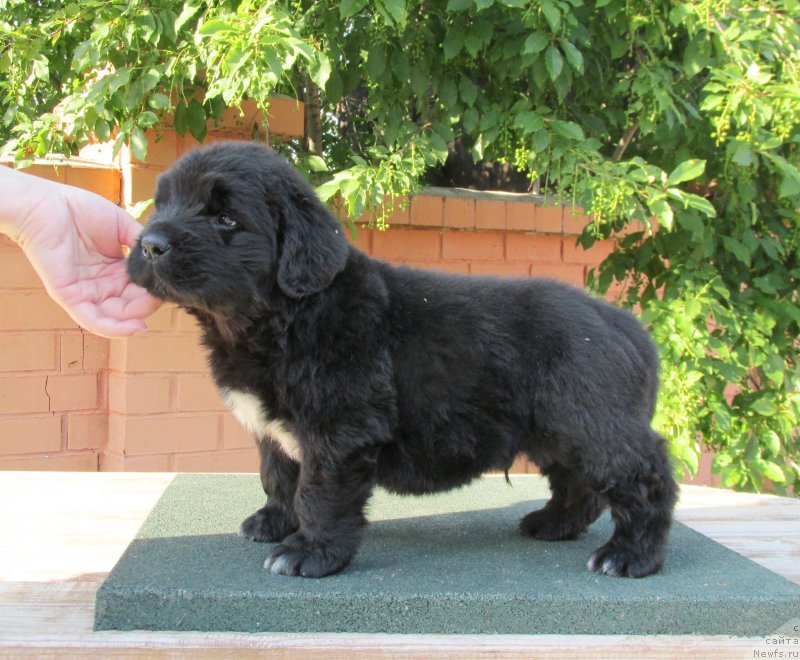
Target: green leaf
{"type": "Point", "coordinates": [453, 43]}
{"type": "Point", "coordinates": [158, 101]}
{"type": "Point", "coordinates": [147, 119]}
{"type": "Point", "coordinates": [327, 190]}
{"type": "Point", "coordinates": [686, 171]}
{"type": "Point", "coordinates": [771, 442]}
{"type": "Point", "coordinates": [188, 11]}
{"type": "Point", "coordinates": [743, 155]}
{"type": "Point", "coordinates": [764, 406]}
{"type": "Point", "coordinates": [102, 130]}
{"type": "Point", "coordinates": [528, 122]}
{"type": "Point", "coordinates": [138, 143]}
{"type": "Point", "coordinates": [536, 43]}
{"type": "Point", "coordinates": [770, 470]}
{"type": "Point", "coordinates": [181, 118]}
{"type": "Point", "coordinates": [396, 9]}
{"type": "Point", "coordinates": [458, 5]}
{"type": "Point", "coordinates": [568, 129]}
{"type": "Point", "coordinates": [348, 8]}
{"type": "Point", "coordinates": [574, 56]}
{"type": "Point", "coordinates": [699, 203]}
{"type": "Point", "coordinates": [214, 26]}
{"type": "Point", "coordinates": [196, 120]}
{"type": "Point", "coordinates": [738, 249]}
{"type": "Point", "coordinates": [553, 61]}
{"type": "Point", "coordinates": [138, 208]}
{"type": "Point", "coordinates": [320, 70]}
{"type": "Point", "coordinates": [316, 163]}
{"type": "Point", "coordinates": [551, 14]}
{"type": "Point", "coordinates": [662, 210]}
{"type": "Point", "coordinates": [468, 90]}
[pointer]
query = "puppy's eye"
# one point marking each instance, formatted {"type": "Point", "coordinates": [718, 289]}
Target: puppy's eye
{"type": "Point", "coordinates": [225, 221]}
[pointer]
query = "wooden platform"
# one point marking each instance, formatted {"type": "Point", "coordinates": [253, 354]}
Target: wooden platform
{"type": "Point", "coordinates": [63, 532]}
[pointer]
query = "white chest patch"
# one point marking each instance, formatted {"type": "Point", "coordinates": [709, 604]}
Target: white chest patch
{"type": "Point", "coordinates": [251, 414]}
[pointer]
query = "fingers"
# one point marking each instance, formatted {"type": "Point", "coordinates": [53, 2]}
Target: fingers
{"type": "Point", "coordinates": [127, 228]}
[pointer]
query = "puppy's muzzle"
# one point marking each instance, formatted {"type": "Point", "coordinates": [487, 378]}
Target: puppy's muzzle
{"type": "Point", "coordinates": [155, 246]}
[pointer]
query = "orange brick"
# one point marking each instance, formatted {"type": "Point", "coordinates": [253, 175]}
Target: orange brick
{"type": "Point", "coordinates": [78, 392]}
{"type": "Point", "coordinates": [71, 353]}
{"type": "Point", "coordinates": [520, 216]}
{"type": "Point", "coordinates": [234, 435]}
{"type": "Point", "coordinates": [28, 352]}
{"type": "Point", "coordinates": [473, 245]}
{"type": "Point", "coordinates": [570, 273]}
{"type": "Point", "coordinates": [401, 244]}
{"type": "Point", "coordinates": [549, 219]}
{"type": "Point", "coordinates": [158, 353]}
{"type": "Point", "coordinates": [30, 435]}
{"type": "Point", "coordinates": [490, 214]}
{"type": "Point", "coordinates": [111, 462]}
{"type": "Point", "coordinates": [400, 213]}
{"type": "Point", "coordinates": [153, 463]}
{"type": "Point", "coordinates": [95, 351]}
{"type": "Point", "coordinates": [103, 181]}
{"type": "Point", "coordinates": [87, 431]}
{"type": "Point", "coordinates": [163, 319]}
{"type": "Point", "coordinates": [285, 117]}
{"type": "Point", "coordinates": [427, 211]}
{"type": "Point", "coordinates": [32, 311]}
{"type": "Point", "coordinates": [16, 271]}
{"type": "Point", "coordinates": [524, 247]}
{"type": "Point", "coordinates": [78, 462]}
{"type": "Point", "coordinates": [456, 267]}
{"type": "Point", "coordinates": [196, 393]}
{"type": "Point", "coordinates": [575, 221]}
{"type": "Point", "coordinates": [166, 434]}
{"type": "Point", "coordinates": [136, 394]}
{"type": "Point", "coordinates": [575, 254]}
{"type": "Point", "coordinates": [140, 184]}
{"type": "Point", "coordinates": [162, 150]}
{"type": "Point", "coordinates": [232, 460]}
{"type": "Point", "coordinates": [459, 213]}
{"type": "Point", "coordinates": [49, 172]}
{"type": "Point", "coordinates": [362, 239]}
{"type": "Point", "coordinates": [24, 394]}
{"type": "Point", "coordinates": [500, 268]}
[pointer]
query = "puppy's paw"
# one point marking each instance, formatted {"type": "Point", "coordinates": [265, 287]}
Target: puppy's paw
{"type": "Point", "coordinates": [546, 526]}
{"type": "Point", "coordinates": [269, 524]}
{"type": "Point", "coordinates": [617, 561]}
{"type": "Point", "coordinates": [297, 556]}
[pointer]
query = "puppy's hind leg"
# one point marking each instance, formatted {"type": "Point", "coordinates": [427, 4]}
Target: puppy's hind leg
{"type": "Point", "coordinates": [641, 498]}
{"type": "Point", "coordinates": [572, 507]}
{"type": "Point", "coordinates": [276, 519]}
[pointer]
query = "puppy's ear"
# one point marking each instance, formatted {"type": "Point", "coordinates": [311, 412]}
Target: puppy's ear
{"type": "Point", "coordinates": [313, 249]}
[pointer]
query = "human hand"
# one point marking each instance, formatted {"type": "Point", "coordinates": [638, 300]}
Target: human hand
{"type": "Point", "coordinates": [74, 239]}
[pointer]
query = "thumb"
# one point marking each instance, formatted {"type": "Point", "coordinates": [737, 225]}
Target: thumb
{"type": "Point", "coordinates": [128, 229]}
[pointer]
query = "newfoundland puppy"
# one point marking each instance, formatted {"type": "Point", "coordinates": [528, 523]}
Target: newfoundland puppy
{"type": "Point", "coordinates": [351, 372]}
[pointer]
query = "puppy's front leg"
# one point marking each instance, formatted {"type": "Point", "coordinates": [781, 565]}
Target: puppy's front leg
{"type": "Point", "coordinates": [279, 474]}
{"type": "Point", "coordinates": [329, 504]}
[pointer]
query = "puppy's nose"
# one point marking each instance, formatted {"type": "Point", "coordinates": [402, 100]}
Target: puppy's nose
{"type": "Point", "coordinates": [155, 246]}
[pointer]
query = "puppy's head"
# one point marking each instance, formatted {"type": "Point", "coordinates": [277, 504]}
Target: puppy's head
{"type": "Point", "coordinates": [234, 223]}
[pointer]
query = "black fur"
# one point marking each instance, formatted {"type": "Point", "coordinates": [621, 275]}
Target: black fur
{"type": "Point", "coordinates": [413, 380]}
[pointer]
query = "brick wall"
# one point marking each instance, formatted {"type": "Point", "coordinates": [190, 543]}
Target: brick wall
{"type": "Point", "coordinates": [52, 374]}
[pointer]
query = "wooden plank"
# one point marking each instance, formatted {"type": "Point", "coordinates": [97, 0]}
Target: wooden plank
{"type": "Point", "coordinates": [63, 532]}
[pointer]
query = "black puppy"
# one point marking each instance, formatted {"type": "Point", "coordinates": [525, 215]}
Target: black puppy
{"type": "Point", "coordinates": [351, 372]}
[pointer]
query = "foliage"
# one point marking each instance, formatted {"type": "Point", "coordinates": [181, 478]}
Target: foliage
{"type": "Point", "coordinates": [682, 112]}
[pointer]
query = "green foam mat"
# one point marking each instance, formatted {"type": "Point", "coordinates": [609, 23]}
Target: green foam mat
{"type": "Point", "coordinates": [449, 563]}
